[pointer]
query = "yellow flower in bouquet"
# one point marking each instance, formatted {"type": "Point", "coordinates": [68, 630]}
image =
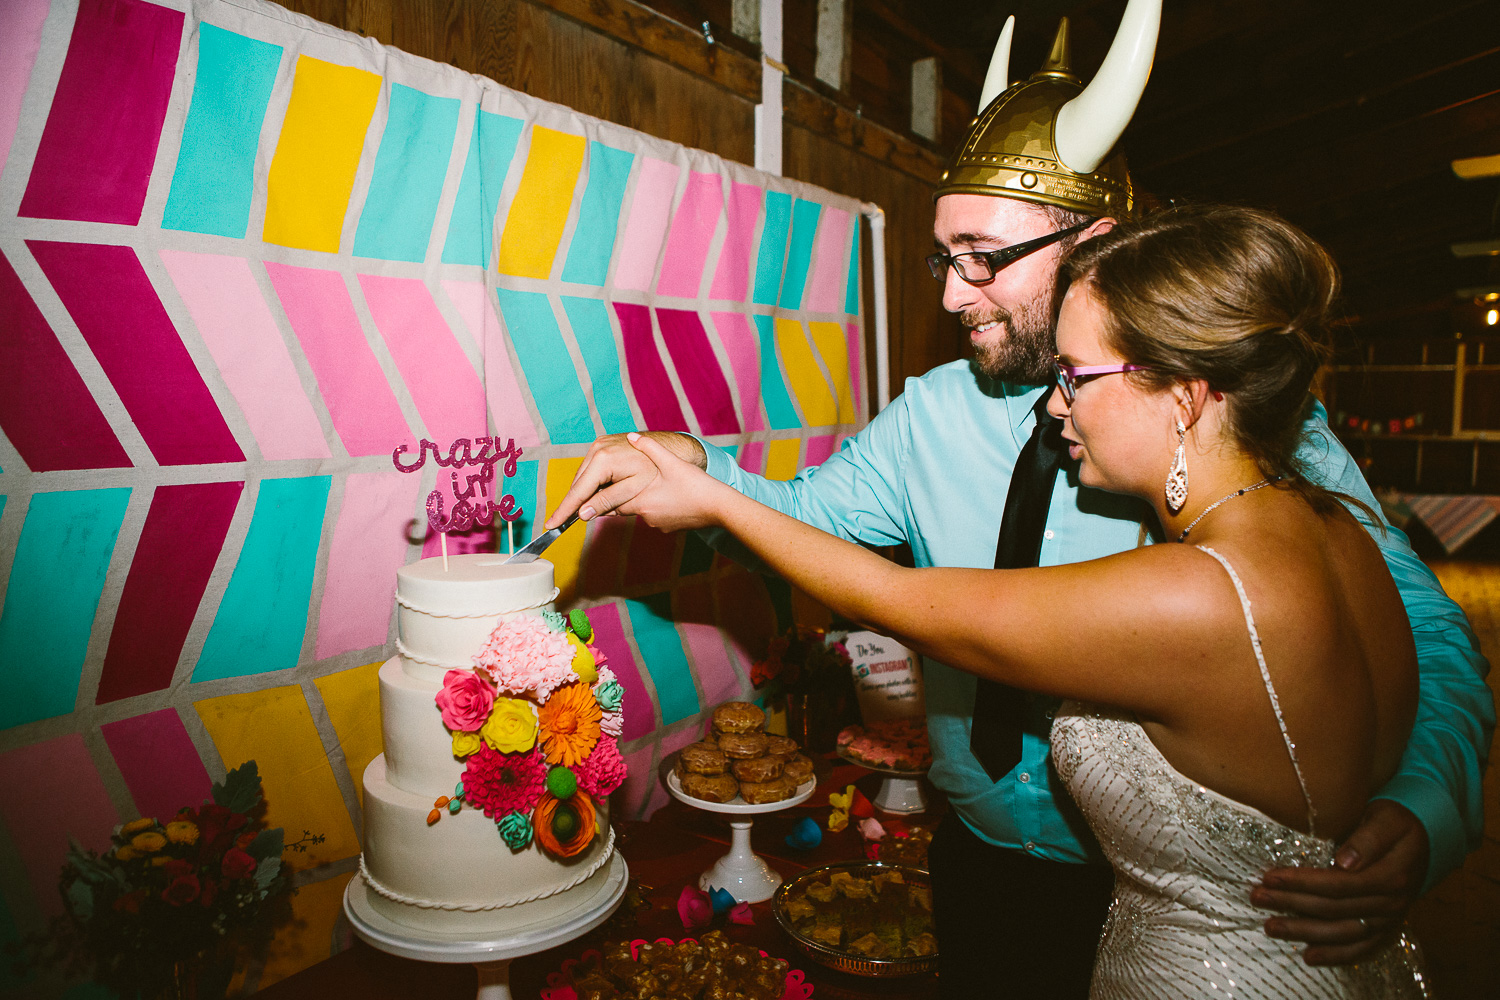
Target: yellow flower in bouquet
{"type": "Point", "coordinates": [136, 826]}
{"type": "Point", "coordinates": [149, 842]}
{"type": "Point", "coordinates": [182, 831]}
{"type": "Point", "coordinates": [126, 853]}
{"type": "Point", "coordinates": [511, 727]}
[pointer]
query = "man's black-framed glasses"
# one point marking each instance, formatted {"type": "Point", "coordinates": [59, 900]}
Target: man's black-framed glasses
{"type": "Point", "coordinates": [980, 266]}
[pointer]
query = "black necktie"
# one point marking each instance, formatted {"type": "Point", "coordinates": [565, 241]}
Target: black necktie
{"type": "Point", "coordinates": [999, 709]}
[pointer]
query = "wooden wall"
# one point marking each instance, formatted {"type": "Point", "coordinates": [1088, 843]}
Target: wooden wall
{"type": "Point", "coordinates": [627, 63]}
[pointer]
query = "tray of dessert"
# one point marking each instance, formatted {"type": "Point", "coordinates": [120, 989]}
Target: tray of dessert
{"type": "Point", "coordinates": [866, 918]}
{"type": "Point", "coordinates": [891, 746]}
{"type": "Point", "coordinates": [739, 768]}
{"type": "Point", "coordinates": [676, 970]}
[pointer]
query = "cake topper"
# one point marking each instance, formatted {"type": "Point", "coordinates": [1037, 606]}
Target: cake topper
{"type": "Point", "coordinates": [467, 511]}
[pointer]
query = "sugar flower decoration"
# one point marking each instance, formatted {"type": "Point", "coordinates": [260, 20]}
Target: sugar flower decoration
{"type": "Point", "coordinates": [583, 660]}
{"type": "Point", "coordinates": [515, 830]}
{"type": "Point", "coordinates": [511, 727]}
{"type": "Point", "coordinates": [498, 784]}
{"type": "Point", "coordinates": [570, 725]}
{"type": "Point", "coordinates": [602, 771]}
{"type": "Point", "coordinates": [465, 744]}
{"type": "Point", "coordinates": [609, 694]}
{"type": "Point", "coordinates": [524, 656]}
{"type": "Point", "coordinates": [564, 827]}
{"type": "Point", "coordinates": [612, 724]}
{"type": "Point", "coordinates": [465, 700]}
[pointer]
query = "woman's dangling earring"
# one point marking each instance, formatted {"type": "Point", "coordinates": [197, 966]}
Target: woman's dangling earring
{"type": "Point", "coordinates": [1177, 483]}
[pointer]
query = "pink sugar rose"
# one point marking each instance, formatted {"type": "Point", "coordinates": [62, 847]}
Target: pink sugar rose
{"type": "Point", "coordinates": [524, 656]}
{"type": "Point", "coordinates": [612, 724]}
{"type": "Point", "coordinates": [465, 699]}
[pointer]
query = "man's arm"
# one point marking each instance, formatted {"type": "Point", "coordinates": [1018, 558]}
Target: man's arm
{"type": "Point", "coordinates": [1430, 814]}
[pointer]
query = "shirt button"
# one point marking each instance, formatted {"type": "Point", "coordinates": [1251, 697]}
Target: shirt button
{"type": "Point", "coordinates": [1023, 777]}
{"type": "Point", "coordinates": [1030, 845]}
{"type": "Point", "coordinates": [1047, 534]}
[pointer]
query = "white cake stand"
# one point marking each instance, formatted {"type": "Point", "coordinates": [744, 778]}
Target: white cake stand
{"type": "Point", "coordinates": [900, 791]}
{"type": "Point", "coordinates": [598, 898]}
{"type": "Point", "coordinates": [741, 872]}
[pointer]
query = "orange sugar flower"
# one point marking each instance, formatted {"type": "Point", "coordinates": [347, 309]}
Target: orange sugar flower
{"type": "Point", "coordinates": [570, 724]}
{"type": "Point", "coordinates": [568, 835]}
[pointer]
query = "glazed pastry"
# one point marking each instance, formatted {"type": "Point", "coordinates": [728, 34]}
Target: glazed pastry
{"type": "Point", "coordinates": [798, 769]}
{"type": "Point", "coordinates": [767, 768]}
{"type": "Point", "coordinates": [781, 746]}
{"type": "Point", "coordinates": [756, 792]}
{"type": "Point", "coordinates": [702, 758]}
{"type": "Point", "coordinates": [710, 787]}
{"type": "Point", "coordinates": [739, 717]}
{"type": "Point", "coordinates": [743, 746]}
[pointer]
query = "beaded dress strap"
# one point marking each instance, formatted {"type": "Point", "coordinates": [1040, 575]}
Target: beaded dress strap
{"type": "Point", "coordinates": [1260, 659]}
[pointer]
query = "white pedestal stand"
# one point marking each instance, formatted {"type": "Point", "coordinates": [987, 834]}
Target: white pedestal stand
{"type": "Point", "coordinates": [900, 791]}
{"type": "Point", "coordinates": [740, 872]}
{"type": "Point", "coordinates": [600, 895]}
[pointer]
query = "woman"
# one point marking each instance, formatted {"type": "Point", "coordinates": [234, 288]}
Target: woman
{"type": "Point", "coordinates": [1260, 681]}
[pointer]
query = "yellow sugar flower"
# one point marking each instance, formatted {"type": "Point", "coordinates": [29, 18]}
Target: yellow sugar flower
{"type": "Point", "coordinates": [182, 831]}
{"type": "Point", "coordinates": [511, 727]}
{"type": "Point", "coordinates": [583, 660]}
{"type": "Point", "coordinates": [465, 744]}
{"type": "Point", "coordinates": [136, 826]}
{"type": "Point", "coordinates": [149, 842]}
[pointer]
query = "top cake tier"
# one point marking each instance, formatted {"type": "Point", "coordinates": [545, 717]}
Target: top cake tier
{"type": "Point", "coordinates": [444, 616]}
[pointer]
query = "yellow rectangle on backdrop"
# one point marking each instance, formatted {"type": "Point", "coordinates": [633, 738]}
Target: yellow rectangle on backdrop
{"type": "Point", "coordinates": [316, 909]}
{"type": "Point", "coordinates": [352, 700]}
{"type": "Point", "coordinates": [312, 170]}
{"type": "Point", "coordinates": [534, 226]}
{"type": "Point", "coordinates": [781, 458]}
{"type": "Point", "coordinates": [835, 350]}
{"type": "Point", "coordinates": [275, 728]}
{"type": "Point", "coordinates": [567, 551]}
{"type": "Point", "coordinates": [808, 382]}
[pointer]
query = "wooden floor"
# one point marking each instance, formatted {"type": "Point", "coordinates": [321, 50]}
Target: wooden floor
{"type": "Point", "coordinates": [1458, 923]}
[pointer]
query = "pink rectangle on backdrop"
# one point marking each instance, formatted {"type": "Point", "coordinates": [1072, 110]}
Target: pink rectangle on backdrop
{"type": "Point", "coordinates": [856, 366]}
{"type": "Point", "coordinates": [753, 457]}
{"type": "Point", "coordinates": [692, 231]}
{"type": "Point", "coordinates": [439, 376]}
{"type": "Point", "coordinates": [743, 348]}
{"type": "Point", "coordinates": [52, 791]}
{"type": "Point", "coordinates": [110, 297]}
{"type": "Point", "coordinates": [99, 143]}
{"type": "Point", "coordinates": [640, 247]}
{"type": "Point", "coordinates": [732, 278]}
{"type": "Point", "coordinates": [693, 608]}
{"type": "Point", "coordinates": [368, 547]}
{"type": "Point", "coordinates": [236, 324]}
{"type": "Point", "coordinates": [178, 548]}
{"type": "Point", "coordinates": [609, 636]}
{"type": "Point", "coordinates": [502, 390]}
{"type": "Point", "coordinates": [632, 797]}
{"type": "Point", "coordinates": [819, 448]}
{"type": "Point", "coordinates": [698, 370]}
{"type": "Point", "coordinates": [355, 389]}
{"type": "Point", "coordinates": [20, 40]}
{"type": "Point", "coordinates": [648, 375]}
{"type": "Point", "coordinates": [825, 290]}
{"type": "Point", "coordinates": [159, 763]}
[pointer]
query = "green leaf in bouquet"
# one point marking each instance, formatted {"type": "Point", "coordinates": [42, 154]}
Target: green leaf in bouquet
{"type": "Point", "coordinates": [267, 844]}
{"type": "Point", "coordinates": [240, 791]}
{"type": "Point", "coordinates": [81, 900]}
{"type": "Point", "coordinates": [266, 872]}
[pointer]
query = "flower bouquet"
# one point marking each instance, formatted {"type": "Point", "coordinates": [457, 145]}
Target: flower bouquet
{"type": "Point", "coordinates": [164, 907]}
{"type": "Point", "coordinates": [808, 669]}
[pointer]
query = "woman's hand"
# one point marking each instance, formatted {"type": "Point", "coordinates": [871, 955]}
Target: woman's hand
{"type": "Point", "coordinates": [682, 496]}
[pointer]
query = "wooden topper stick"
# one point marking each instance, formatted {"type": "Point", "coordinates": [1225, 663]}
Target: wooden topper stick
{"type": "Point", "coordinates": [443, 541]}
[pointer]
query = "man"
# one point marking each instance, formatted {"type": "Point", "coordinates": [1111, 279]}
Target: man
{"type": "Point", "coordinates": [1019, 895]}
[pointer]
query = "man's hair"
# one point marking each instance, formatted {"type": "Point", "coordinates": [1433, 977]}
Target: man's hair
{"type": "Point", "coordinates": [1064, 218]}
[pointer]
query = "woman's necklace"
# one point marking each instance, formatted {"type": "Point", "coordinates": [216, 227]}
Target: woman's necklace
{"type": "Point", "coordinates": [1223, 500]}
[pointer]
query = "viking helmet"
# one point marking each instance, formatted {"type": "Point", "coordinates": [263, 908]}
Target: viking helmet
{"type": "Point", "coordinates": [1046, 139]}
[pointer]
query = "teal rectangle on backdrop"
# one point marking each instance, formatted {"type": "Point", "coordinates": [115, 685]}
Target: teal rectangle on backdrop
{"type": "Point", "coordinates": [599, 215]}
{"type": "Point", "coordinates": [596, 340]}
{"type": "Point", "coordinates": [410, 167]}
{"type": "Point", "coordinates": [799, 257]}
{"type": "Point", "coordinates": [215, 176]}
{"type": "Point", "coordinates": [548, 367]}
{"type": "Point", "coordinates": [772, 255]}
{"type": "Point", "coordinates": [262, 618]}
{"type": "Point", "coordinates": [851, 289]}
{"type": "Point", "coordinates": [661, 649]}
{"type": "Point", "coordinates": [780, 411]}
{"type": "Point", "coordinates": [522, 486]}
{"type": "Point", "coordinates": [471, 232]}
{"type": "Point", "coordinates": [56, 579]}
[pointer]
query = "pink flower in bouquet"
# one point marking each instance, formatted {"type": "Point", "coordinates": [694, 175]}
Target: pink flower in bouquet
{"type": "Point", "coordinates": [601, 771]}
{"type": "Point", "coordinates": [524, 655]}
{"type": "Point", "coordinates": [466, 700]}
{"type": "Point", "coordinates": [237, 864]}
{"type": "Point", "coordinates": [501, 783]}
{"type": "Point", "coordinates": [181, 890]}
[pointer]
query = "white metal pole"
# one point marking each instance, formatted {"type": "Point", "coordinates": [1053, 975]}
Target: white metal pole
{"type": "Point", "coordinates": [876, 215]}
{"type": "Point", "coordinates": [768, 111]}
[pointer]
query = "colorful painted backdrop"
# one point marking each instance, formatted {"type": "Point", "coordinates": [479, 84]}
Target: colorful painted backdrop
{"type": "Point", "coordinates": [243, 256]}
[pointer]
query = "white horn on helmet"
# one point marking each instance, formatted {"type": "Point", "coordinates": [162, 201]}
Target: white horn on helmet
{"type": "Point", "coordinates": [998, 78]}
{"type": "Point", "coordinates": [1090, 124]}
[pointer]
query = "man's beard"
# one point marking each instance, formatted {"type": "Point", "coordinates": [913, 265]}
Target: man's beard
{"type": "Point", "coordinates": [1024, 355]}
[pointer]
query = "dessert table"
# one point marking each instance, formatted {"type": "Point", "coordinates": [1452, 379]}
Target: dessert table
{"type": "Point", "coordinates": [665, 853]}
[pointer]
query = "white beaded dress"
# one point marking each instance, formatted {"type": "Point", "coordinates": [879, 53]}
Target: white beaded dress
{"type": "Point", "coordinates": [1185, 857]}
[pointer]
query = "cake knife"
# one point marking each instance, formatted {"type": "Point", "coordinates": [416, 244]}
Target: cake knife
{"type": "Point", "coordinates": [532, 550]}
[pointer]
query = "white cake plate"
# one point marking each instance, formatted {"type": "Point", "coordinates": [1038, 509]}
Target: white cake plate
{"type": "Point", "coordinates": [600, 896]}
{"type": "Point", "coordinates": [741, 872]}
{"type": "Point", "coordinates": [900, 791]}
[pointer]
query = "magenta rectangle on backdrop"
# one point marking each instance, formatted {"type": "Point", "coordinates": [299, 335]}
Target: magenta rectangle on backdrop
{"type": "Point", "coordinates": [698, 370]}
{"type": "Point", "coordinates": [819, 448]}
{"type": "Point", "coordinates": [732, 278]}
{"type": "Point", "coordinates": [502, 389]}
{"type": "Point", "coordinates": [354, 387]}
{"type": "Point", "coordinates": [94, 160]}
{"type": "Point", "coordinates": [693, 608]}
{"type": "Point", "coordinates": [47, 412]}
{"type": "Point", "coordinates": [603, 556]}
{"type": "Point", "coordinates": [235, 323]}
{"type": "Point", "coordinates": [178, 547]}
{"type": "Point", "coordinates": [648, 376]}
{"type": "Point", "coordinates": [650, 207]}
{"type": "Point", "coordinates": [753, 457]}
{"type": "Point", "coordinates": [651, 556]}
{"type": "Point", "coordinates": [159, 763]}
{"type": "Point", "coordinates": [692, 231]}
{"type": "Point", "coordinates": [52, 791]}
{"type": "Point", "coordinates": [856, 366]}
{"type": "Point", "coordinates": [110, 297]}
{"type": "Point", "coordinates": [743, 348]}
{"type": "Point", "coordinates": [368, 547]}
{"type": "Point", "coordinates": [609, 636]}
{"type": "Point", "coordinates": [441, 380]}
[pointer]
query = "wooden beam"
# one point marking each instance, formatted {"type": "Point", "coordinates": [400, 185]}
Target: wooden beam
{"type": "Point", "coordinates": [815, 113]}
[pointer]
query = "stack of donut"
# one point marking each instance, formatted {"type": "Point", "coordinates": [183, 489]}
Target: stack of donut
{"type": "Point", "coordinates": [738, 758]}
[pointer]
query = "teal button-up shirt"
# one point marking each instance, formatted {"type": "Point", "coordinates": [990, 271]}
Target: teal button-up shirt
{"type": "Point", "coordinates": [932, 471]}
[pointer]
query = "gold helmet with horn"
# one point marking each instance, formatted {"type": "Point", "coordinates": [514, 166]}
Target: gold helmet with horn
{"type": "Point", "coordinates": [1048, 139]}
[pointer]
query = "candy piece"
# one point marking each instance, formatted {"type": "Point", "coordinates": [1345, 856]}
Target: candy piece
{"type": "Point", "coordinates": [442, 800]}
{"type": "Point", "coordinates": [720, 899]}
{"type": "Point", "coordinates": [694, 907]}
{"type": "Point", "coordinates": [805, 835]}
{"type": "Point", "coordinates": [454, 806]}
{"type": "Point", "coordinates": [742, 914]}
{"type": "Point", "coordinates": [434, 816]}
{"type": "Point", "coordinates": [580, 623]}
{"type": "Point", "coordinates": [561, 782]}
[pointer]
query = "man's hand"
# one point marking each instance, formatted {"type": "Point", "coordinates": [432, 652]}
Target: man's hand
{"type": "Point", "coordinates": [614, 473]}
{"type": "Point", "coordinates": [1346, 913]}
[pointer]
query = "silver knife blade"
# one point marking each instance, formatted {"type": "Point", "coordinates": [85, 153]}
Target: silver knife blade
{"type": "Point", "coordinates": [533, 549]}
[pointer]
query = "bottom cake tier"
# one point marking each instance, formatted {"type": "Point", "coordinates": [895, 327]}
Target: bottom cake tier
{"type": "Point", "coordinates": [457, 875]}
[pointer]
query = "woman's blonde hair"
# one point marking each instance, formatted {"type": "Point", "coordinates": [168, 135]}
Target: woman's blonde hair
{"type": "Point", "coordinates": [1234, 296]}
